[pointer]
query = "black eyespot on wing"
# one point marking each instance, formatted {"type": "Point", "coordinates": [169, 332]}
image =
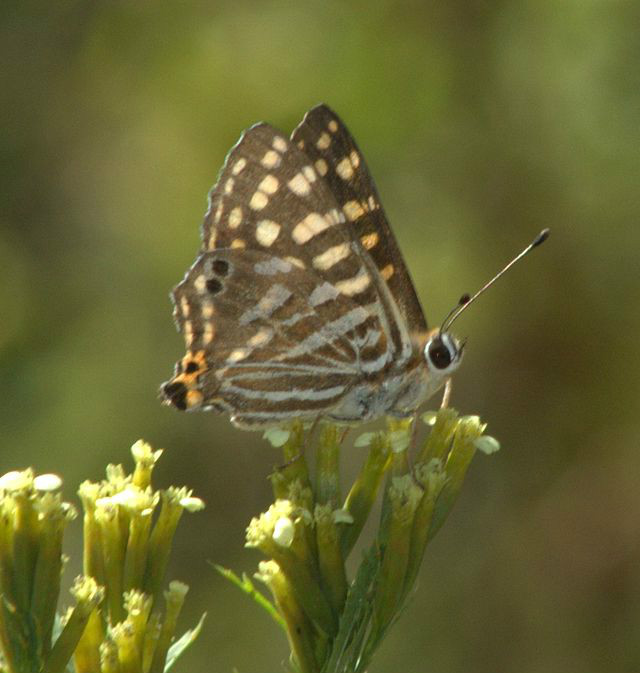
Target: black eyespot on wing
{"type": "Point", "coordinates": [439, 354]}
{"type": "Point", "coordinates": [214, 285]}
{"type": "Point", "coordinates": [176, 393]}
{"type": "Point", "coordinates": [191, 367]}
{"type": "Point", "coordinates": [220, 267]}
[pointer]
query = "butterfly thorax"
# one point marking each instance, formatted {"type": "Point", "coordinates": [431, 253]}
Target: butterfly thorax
{"type": "Point", "coordinates": [402, 390]}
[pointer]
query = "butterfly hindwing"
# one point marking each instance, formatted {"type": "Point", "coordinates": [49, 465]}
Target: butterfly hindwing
{"type": "Point", "coordinates": [253, 347]}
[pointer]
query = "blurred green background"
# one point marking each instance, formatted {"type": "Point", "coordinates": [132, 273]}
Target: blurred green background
{"type": "Point", "coordinates": [482, 123]}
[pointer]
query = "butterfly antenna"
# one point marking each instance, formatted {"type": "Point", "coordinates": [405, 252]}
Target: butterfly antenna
{"type": "Point", "coordinates": [465, 301]}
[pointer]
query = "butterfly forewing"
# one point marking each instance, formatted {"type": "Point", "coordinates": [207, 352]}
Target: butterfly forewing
{"type": "Point", "coordinates": [270, 198]}
{"type": "Point", "coordinates": [327, 142]}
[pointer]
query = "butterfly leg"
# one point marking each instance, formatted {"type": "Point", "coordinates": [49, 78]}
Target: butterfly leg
{"type": "Point", "coordinates": [446, 394]}
{"type": "Point", "coordinates": [315, 425]}
{"type": "Point", "coordinates": [290, 461]}
{"type": "Point", "coordinates": [413, 442]}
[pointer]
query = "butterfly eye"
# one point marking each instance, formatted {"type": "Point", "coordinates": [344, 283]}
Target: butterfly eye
{"type": "Point", "coordinates": [442, 352]}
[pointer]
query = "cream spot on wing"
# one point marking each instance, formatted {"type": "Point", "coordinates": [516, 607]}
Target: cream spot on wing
{"type": "Point", "coordinates": [193, 399]}
{"type": "Point", "coordinates": [331, 256]}
{"type": "Point", "coordinates": [208, 334]}
{"type": "Point", "coordinates": [336, 216]}
{"type": "Point", "coordinates": [184, 306]}
{"type": "Point", "coordinates": [238, 243]}
{"type": "Point", "coordinates": [266, 232]}
{"type": "Point", "coordinates": [258, 201]}
{"type": "Point", "coordinates": [273, 299]}
{"type": "Point", "coordinates": [309, 173]}
{"type": "Point", "coordinates": [218, 216]}
{"type": "Point", "coordinates": [228, 185]}
{"type": "Point", "coordinates": [372, 203]}
{"type": "Point", "coordinates": [387, 271]}
{"type": "Point", "coordinates": [299, 185]}
{"type": "Point", "coordinates": [306, 229]}
{"type": "Point", "coordinates": [344, 169]}
{"type": "Point", "coordinates": [212, 241]}
{"type": "Point", "coordinates": [279, 144]}
{"type": "Point", "coordinates": [355, 159]}
{"type": "Point", "coordinates": [235, 217]}
{"type": "Point", "coordinates": [333, 126]}
{"type": "Point", "coordinates": [238, 167]}
{"type": "Point", "coordinates": [269, 184]}
{"type": "Point", "coordinates": [272, 266]}
{"type": "Point", "coordinates": [296, 262]}
{"type": "Point", "coordinates": [354, 285]}
{"type": "Point", "coordinates": [200, 283]}
{"type": "Point", "coordinates": [271, 159]}
{"type": "Point", "coordinates": [323, 141]}
{"type": "Point", "coordinates": [207, 310]}
{"type": "Point", "coordinates": [353, 210]}
{"type": "Point", "coordinates": [187, 329]}
{"type": "Point", "coordinates": [321, 167]}
{"type": "Point", "coordinates": [237, 355]}
{"type": "Point", "coordinates": [300, 144]}
{"type": "Point", "coordinates": [261, 337]}
{"type": "Point", "coordinates": [370, 240]}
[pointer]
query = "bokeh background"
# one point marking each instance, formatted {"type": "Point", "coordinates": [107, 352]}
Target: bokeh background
{"type": "Point", "coordinates": [482, 123]}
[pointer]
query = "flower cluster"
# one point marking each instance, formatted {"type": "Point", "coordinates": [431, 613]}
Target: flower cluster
{"type": "Point", "coordinates": [333, 623]}
{"type": "Point", "coordinates": [118, 622]}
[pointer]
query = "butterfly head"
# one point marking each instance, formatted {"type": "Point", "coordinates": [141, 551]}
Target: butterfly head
{"type": "Point", "coordinates": [442, 353]}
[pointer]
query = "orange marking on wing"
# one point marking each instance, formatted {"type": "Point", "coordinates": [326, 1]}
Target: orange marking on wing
{"type": "Point", "coordinates": [193, 364]}
{"type": "Point", "coordinates": [194, 399]}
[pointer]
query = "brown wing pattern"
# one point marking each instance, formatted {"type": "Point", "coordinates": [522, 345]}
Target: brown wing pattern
{"type": "Point", "coordinates": [300, 292]}
{"type": "Point", "coordinates": [267, 340]}
{"type": "Point", "coordinates": [270, 197]}
{"type": "Point", "coordinates": [324, 138]}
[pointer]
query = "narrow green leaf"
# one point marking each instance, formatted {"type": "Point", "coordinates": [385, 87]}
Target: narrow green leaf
{"type": "Point", "coordinates": [348, 644]}
{"type": "Point", "coordinates": [187, 638]}
{"type": "Point", "coordinates": [246, 586]}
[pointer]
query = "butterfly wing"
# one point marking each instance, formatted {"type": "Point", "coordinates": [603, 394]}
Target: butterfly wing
{"type": "Point", "coordinates": [270, 197]}
{"type": "Point", "coordinates": [324, 138]}
{"type": "Point", "coordinates": [288, 307]}
{"type": "Point", "coordinates": [268, 341]}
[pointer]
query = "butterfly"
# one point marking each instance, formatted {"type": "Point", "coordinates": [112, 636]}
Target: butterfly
{"type": "Point", "coordinates": [300, 304]}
